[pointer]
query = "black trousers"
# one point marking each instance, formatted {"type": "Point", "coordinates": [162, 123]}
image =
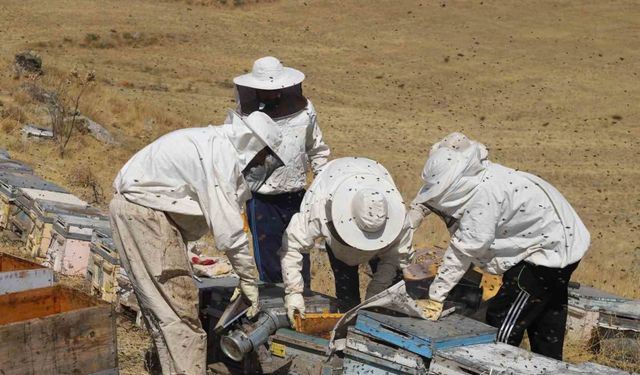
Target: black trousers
{"type": "Point", "coordinates": [532, 299]}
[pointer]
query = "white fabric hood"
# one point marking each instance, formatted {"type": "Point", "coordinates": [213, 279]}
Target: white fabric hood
{"type": "Point", "coordinates": [251, 135]}
{"type": "Point", "coordinates": [451, 175]}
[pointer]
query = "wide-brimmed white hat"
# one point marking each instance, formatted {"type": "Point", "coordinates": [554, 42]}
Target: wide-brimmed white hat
{"type": "Point", "coordinates": [268, 73]}
{"type": "Point", "coordinates": [367, 212]}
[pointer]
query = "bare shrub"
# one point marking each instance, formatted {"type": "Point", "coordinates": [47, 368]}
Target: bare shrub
{"type": "Point", "coordinates": [82, 176]}
{"type": "Point", "coordinates": [63, 104]}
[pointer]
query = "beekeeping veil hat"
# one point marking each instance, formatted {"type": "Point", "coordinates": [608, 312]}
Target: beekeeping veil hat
{"type": "Point", "coordinates": [253, 133]}
{"type": "Point", "coordinates": [453, 170]}
{"type": "Point", "coordinates": [367, 212]}
{"type": "Point", "coordinates": [268, 73]}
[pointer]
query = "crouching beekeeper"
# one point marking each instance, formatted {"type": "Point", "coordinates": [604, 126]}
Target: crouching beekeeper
{"type": "Point", "coordinates": [355, 207]}
{"type": "Point", "coordinates": [505, 222]}
{"type": "Point", "coordinates": [175, 190]}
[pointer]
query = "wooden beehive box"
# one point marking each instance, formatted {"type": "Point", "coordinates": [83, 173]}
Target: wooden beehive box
{"type": "Point", "coordinates": [68, 251]}
{"type": "Point", "coordinates": [365, 355]}
{"type": "Point", "coordinates": [423, 337]}
{"type": "Point", "coordinates": [56, 330]}
{"type": "Point", "coordinates": [104, 266]}
{"type": "Point", "coordinates": [32, 219]}
{"type": "Point", "coordinates": [18, 274]}
{"type": "Point", "coordinates": [11, 181]}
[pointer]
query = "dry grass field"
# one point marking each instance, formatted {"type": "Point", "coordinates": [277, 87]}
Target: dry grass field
{"type": "Point", "coordinates": [552, 87]}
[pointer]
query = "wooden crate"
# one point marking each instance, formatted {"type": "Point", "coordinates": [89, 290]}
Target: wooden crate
{"type": "Point", "coordinates": [104, 266]}
{"type": "Point", "coordinates": [68, 251]}
{"type": "Point", "coordinates": [35, 211]}
{"type": "Point", "coordinates": [423, 337]}
{"type": "Point", "coordinates": [604, 322]}
{"type": "Point", "coordinates": [44, 214]}
{"type": "Point", "coordinates": [56, 330]}
{"type": "Point", "coordinates": [11, 181]}
{"type": "Point", "coordinates": [18, 274]}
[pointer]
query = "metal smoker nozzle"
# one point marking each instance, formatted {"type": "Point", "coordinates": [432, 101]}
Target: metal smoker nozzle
{"type": "Point", "coordinates": [239, 342]}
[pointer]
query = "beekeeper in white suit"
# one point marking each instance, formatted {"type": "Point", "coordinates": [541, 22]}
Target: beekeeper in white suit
{"type": "Point", "coordinates": [354, 205]}
{"type": "Point", "coordinates": [175, 190]}
{"type": "Point", "coordinates": [505, 222]}
{"type": "Point", "coordinates": [276, 90]}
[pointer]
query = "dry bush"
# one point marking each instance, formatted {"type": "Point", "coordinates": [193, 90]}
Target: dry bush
{"type": "Point", "coordinates": [605, 353]}
{"type": "Point", "coordinates": [83, 177]}
{"type": "Point", "coordinates": [63, 105]}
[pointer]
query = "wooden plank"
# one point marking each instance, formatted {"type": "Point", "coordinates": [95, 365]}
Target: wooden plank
{"type": "Point", "coordinates": [356, 362]}
{"type": "Point", "coordinates": [499, 358]}
{"type": "Point", "coordinates": [18, 281]}
{"type": "Point", "coordinates": [18, 274]}
{"type": "Point", "coordinates": [596, 369]}
{"type": "Point", "coordinates": [36, 303]}
{"type": "Point", "coordinates": [364, 355]}
{"type": "Point", "coordinates": [78, 342]}
{"type": "Point", "coordinates": [423, 336]}
{"type": "Point", "coordinates": [12, 263]}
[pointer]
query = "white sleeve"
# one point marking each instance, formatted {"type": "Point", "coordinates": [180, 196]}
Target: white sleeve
{"type": "Point", "coordinates": [470, 243]}
{"type": "Point", "coordinates": [391, 261]}
{"type": "Point", "coordinates": [317, 151]}
{"type": "Point", "coordinates": [453, 267]}
{"type": "Point", "coordinates": [299, 238]}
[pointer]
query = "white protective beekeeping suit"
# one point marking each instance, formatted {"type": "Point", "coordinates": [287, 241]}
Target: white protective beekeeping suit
{"type": "Point", "coordinates": [195, 175]}
{"type": "Point", "coordinates": [302, 138]}
{"type": "Point", "coordinates": [497, 216]}
{"type": "Point", "coordinates": [164, 176]}
{"type": "Point", "coordinates": [315, 221]}
{"type": "Point", "coordinates": [172, 191]}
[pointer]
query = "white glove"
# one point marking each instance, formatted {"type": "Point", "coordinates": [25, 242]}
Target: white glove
{"type": "Point", "coordinates": [245, 267]}
{"type": "Point", "coordinates": [250, 291]}
{"type": "Point", "coordinates": [415, 215]}
{"type": "Point", "coordinates": [294, 302]}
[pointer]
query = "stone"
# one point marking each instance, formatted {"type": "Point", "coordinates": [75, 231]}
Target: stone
{"type": "Point", "coordinates": [96, 130]}
{"type": "Point", "coordinates": [31, 131]}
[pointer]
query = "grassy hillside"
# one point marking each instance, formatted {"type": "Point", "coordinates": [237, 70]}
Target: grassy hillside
{"type": "Point", "coordinates": [551, 87]}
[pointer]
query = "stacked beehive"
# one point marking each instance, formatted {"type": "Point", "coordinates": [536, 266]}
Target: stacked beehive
{"type": "Point", "coordinates": [60, 230]}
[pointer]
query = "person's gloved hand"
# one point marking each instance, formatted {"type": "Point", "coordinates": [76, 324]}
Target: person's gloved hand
{"type": "Point", "coordinates": [294, 302]}
{"type": "Point", "coordinates": [245, 267]}
{"type": "Point", "coordinates": [415, 215]}
{"type": "Point", "coordinates": [431, 309]}
{"type": "Point", "coordinates": [250, 290]}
